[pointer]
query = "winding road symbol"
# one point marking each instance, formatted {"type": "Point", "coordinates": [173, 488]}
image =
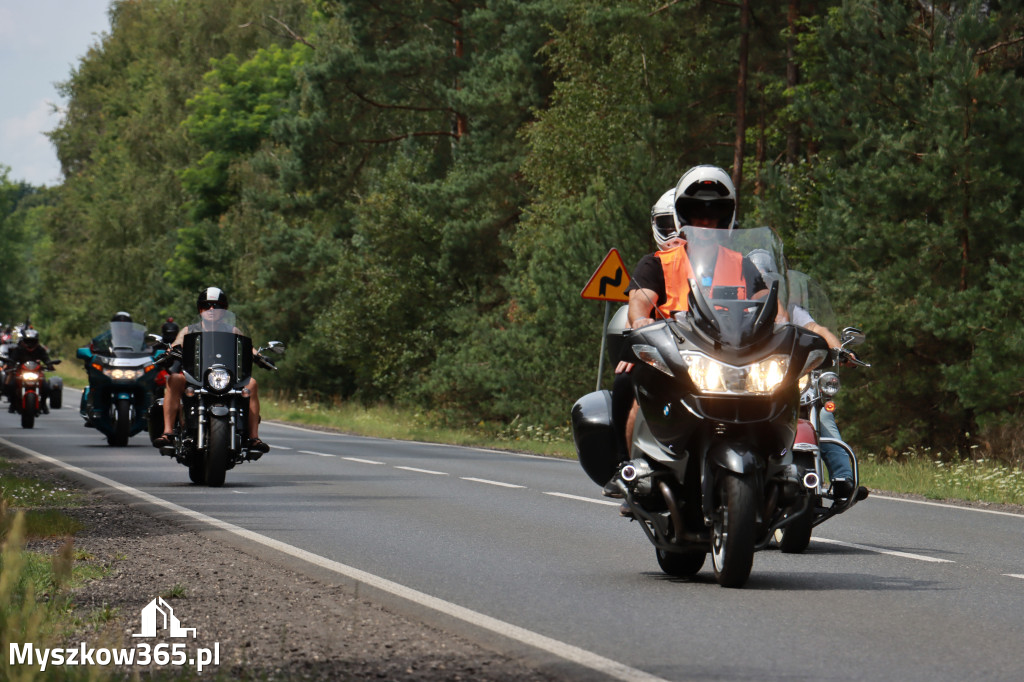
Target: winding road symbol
{"type": "Point", "coordinates": [610, 280]}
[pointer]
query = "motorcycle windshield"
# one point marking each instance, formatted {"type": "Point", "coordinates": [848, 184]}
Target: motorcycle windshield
{"type": "Point", "coordinates": [216, 338]}
{"type": "Point", "coordinates": [732, 274]}
{"type": "Point", "coordinates": [807, 298]}
{"type": "Point", "coordinates": [121, 336]}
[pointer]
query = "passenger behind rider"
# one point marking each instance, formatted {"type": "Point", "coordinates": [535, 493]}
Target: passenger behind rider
{"type": "Point", "coordinates": [211, 305]}
{"type": "Point", "coordinates": [28, 348]}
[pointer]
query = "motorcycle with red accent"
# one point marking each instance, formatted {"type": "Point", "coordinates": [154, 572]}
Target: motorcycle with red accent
{"type": "Point", "coordinates": [26, 396]}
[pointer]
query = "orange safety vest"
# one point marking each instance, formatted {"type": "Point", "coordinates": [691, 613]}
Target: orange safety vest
{"type": "Point", "coordinates": [675, 265]}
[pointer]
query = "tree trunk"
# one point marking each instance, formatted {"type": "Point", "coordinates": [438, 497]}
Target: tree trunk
{"type": "Point", "coordinates": [741, 97]}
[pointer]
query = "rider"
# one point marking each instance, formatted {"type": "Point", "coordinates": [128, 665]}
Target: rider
{"type": "Point", "coordinates": [169, 331]}
{"type": "Point", "coordinates": [211, 305]}
{"type": "Point", "coordinates": [28, 348]}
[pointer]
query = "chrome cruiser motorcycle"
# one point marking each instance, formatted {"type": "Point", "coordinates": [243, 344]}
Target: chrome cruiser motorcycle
{"type": "Point", "coordinates": [216, 358]}
{"type": "Point", "coordinates": [712, 467]}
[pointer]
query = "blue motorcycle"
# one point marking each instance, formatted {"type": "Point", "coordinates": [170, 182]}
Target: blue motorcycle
{"type": "Point", "coordinates": [122, 381]}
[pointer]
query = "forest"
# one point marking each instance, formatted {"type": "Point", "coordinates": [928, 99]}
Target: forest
{"type": "Point", "coordinates": [412, 195]}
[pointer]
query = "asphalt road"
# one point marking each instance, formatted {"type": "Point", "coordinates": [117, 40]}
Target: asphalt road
{"type": "Point", "coordinates": [892, 590]}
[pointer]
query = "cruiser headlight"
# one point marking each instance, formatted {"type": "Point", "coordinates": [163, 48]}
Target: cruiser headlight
{"type": "Point", "coordinates": [122, 374]}
{"type": "Point", "coordinates": [219, 379]}
{"type": "Point", "coordinates": [759, 378]}
{"type": "Point", "coordinates": [828, 384]}
{"type": "Point", "coordinates": [651, 356]}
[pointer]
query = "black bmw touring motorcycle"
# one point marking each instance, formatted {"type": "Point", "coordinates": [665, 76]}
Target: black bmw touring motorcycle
{"type": "Point", "coordinates": [711, 468]}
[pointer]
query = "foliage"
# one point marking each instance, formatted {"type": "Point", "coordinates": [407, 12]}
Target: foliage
{"type": "Point", "coordinates": [412, 195]}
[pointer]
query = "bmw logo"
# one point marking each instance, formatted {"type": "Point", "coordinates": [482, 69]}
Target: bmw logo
{"type": "Point", "coordinates": [665, 410]}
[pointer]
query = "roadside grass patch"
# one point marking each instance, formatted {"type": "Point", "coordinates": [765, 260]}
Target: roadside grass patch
{"type": "Point", "coordinates": [922, 472]}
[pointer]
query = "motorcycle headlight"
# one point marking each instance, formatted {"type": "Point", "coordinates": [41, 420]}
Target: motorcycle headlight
{"type": "Point", "coordinates": [219, 379]}
{"type": "Point", "coordinates": [828, 384]}
{"type": "Point", "coordinates": [30, 376]}
{"type": "Point", "coordinates": [119, 374]}
{"type": "Point", "coordinates": [804, 381]}
{"type": "Point", "coordinates": [651, 356]}
{"type": "Point", "coordinates": [760, 378]}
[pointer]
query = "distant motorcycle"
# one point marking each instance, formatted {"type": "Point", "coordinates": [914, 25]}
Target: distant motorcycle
{"type": "Point", "coordinates": [817, 391]}
{"type": "Point", "coordinates": [217, 364]}
{"type": "Point", "coordinates": [122, 382]}
{"type": "Point", "coordinates": [27, 395]}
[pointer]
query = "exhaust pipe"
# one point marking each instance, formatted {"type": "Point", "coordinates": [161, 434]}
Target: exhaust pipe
{"type": "Point", "coordinates": [811, 480]}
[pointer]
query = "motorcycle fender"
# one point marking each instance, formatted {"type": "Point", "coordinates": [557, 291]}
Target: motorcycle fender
{"type": "Point", "coordinates": [594, 436]}
{"type": "Point", "coordinates": [219, 410]}
{"type": "Point", "coordinates": [733, 457]}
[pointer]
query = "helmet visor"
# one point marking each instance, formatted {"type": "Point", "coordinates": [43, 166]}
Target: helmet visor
{"type": "Point", "coordinates": [696, 209]}
{"type": "Point", "coordinates": [665, 225]}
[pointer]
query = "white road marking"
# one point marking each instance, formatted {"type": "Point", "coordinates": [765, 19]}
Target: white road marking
{"type": "Point", "coordinates": [498, 483]}
{"type": "Point", "coordinates": [947, 506]}
{"type": "Point", "coordinates": [584, 499]}
{"type": "Point", "coordinates": [318, 454]}
{"type": "Point", "coordinates": [879, 550]}
{"type": "Point", "coordinates": [1014, 575]}
{"type": "Point", "coordinates": [361, 461]}
{"type": "Point", "coordinates": [423, 471]}
{"type": "Point", "coordinates": [568, 652]}
{"type": "Point", "coordinates": [280, 447]}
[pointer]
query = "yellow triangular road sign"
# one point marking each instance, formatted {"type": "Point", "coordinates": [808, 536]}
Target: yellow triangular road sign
{"type": "Point", "coordinates": [610, 280]}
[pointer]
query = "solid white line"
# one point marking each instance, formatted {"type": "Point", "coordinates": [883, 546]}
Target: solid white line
{"type": "Point", "coordinates": [879, 550]}
{"type": "Point", "coordinates": [484, 480]}
{"type": "Point", "coordinates": [318, 454]}
{"type": "Point", "coordinates": [584, 499]}
{"type": "Point", "coordinates": [1014, 575]}
{"type": "Point", "coordinates": [947, 506]}
{"type": "Point", "coordinates": [361, 461]}
{"type": "Point", "coordinates": [280, 447]}
{"type": "Point", "coordinates": [422, 471]}
{"type": "Point", "coordinates": [563, 650]}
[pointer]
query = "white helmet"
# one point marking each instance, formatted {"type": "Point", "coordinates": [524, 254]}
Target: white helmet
{"type": "Point", "coordinates": [663, 219]}
{"type": "Point", "coordinates": [706, 191]}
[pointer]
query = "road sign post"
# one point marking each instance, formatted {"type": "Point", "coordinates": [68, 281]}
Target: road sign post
{"type": "Point", "coordinates": [608, 283]}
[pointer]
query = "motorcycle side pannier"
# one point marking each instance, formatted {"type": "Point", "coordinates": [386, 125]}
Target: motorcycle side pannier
{"type": "Point", "coordinates": [594, 436]}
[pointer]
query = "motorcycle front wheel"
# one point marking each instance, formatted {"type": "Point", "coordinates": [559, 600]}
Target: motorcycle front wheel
{"type": "Point", "coordinates": [28, 410]}
{"type": "Point", "coordinates": [122, 419]}
{"type": "Point", "coordinates": [732, 534]}
{"type": "Point", "coordinates": [218, 449]}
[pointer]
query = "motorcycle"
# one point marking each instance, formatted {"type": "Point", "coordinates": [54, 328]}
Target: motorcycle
{"type": "Point", "coordinates": [122, 382]}
{"type": "Point", "coordinates": [817, 391]}
{"type": "Point", "coordinates": [712, 467]}
{"type": "Point", "coordinates": [26, 396]}
{"type": "Point", "coordinates": [216, 359]}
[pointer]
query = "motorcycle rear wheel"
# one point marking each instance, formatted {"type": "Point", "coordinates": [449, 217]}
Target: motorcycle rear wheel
{"type": "Point", "coordinates": [122, 417]}
{"type": "Point", "coordinates": [28, 411]}
{"type": "Point", "coordinates": [732, 534]}
{"type": "Point", "coordinates": [681, 564]}
{"type": "Point", "coordinates": [218, 450]}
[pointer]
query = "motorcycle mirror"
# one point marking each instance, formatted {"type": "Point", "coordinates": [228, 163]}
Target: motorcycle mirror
{"type": "Point", "coordinates": [852, 336]}
{"type": "Point", "coordinates": [277, 347]}
{"type": "Point", "coordinates": [156, 340]}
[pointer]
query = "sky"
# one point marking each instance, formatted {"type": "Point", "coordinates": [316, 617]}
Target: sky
{"type": "Point", "coordinates": [41, 41]}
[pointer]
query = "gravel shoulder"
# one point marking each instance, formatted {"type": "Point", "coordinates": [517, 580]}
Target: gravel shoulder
{"type": "Point", "coordinates": [269, 621]}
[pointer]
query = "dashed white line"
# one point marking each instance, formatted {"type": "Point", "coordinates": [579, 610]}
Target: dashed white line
{"type": "Point", "coordinates": [498, 483]}
{"type": "Point", "coordinates": [584, 499]}
{"type": "Point", "coordinates": [318, 454]}
{"type": "Point", "coordinates": [1014, 575]}
{"type": "Point", "coordinates": [892, 552]}
{"type": "Point", "coordinates": [361, 461]}
{"type": "Point", "coordinates": [423, 471]}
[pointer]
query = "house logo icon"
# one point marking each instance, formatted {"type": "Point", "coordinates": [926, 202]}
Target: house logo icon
{"type": "Point", "coordinates": [158, 615]}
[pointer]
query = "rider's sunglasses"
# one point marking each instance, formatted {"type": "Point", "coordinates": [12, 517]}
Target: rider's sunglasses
{"type": "Point", "coordinates": [207, 305]}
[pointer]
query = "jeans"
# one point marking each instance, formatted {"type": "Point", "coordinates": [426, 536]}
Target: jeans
{"type": "Point", "coordinates": [836, 459]}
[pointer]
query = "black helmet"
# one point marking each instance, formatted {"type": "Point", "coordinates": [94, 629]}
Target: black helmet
{"type": "Point", "coordinates": [169, 331]}
{"type": "Point", "coordinates": [30, 337]}
{"type": "Point", "coordinates": [212, 297]}
{"type": "Point", "coordinates": [121, 316]}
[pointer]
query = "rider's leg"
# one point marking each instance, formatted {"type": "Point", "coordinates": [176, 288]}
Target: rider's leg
{"type": "Point", "coordinates": [172, 400]}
